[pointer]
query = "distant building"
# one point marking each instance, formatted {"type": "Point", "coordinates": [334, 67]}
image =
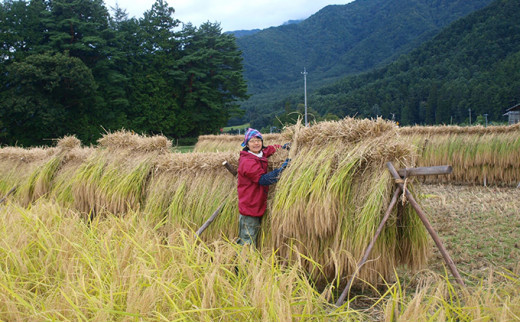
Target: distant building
{"type": "Point", "coordinates": [513, 114]}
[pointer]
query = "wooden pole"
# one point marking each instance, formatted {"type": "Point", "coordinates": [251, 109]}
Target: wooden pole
{"type": "Point", "coordinates": [424, 171]}
{"type": "Point", "coordinates": [427, 224]}
{"type": "Point", "coordinates": [7, 195]}
{"type": "Point", "coordinates": [210, 220]}
{"type": "Point", "coordinates": [393, 202]}
{"type": "Point", "coordinates": [217, 211]}
{"type": "Point", "coordinates": [229, 168]}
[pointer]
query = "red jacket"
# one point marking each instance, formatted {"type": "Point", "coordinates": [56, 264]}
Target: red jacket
{"type": "Point", "coordinates": [252, 197]}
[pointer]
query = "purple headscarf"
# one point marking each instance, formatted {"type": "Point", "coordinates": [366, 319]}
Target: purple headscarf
{"type": "Point", "coordinates": [250, 133]}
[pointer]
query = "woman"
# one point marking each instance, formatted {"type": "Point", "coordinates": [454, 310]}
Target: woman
{"type": "Point", "coordinates": [253, 184]}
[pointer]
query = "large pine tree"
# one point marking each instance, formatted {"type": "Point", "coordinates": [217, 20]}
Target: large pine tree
{"type": "Point", "coordinates": [69, 68]}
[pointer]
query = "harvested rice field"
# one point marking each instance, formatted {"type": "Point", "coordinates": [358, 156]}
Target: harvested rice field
{"type": "Point", "coordinates": [479, 225]}
{"type": "Point", "coordinates": [57, 267]}
{"type": "Point", "coordinates": [106, 233]}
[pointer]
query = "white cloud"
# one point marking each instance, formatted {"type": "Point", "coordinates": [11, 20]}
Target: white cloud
{"type": "Point", "coordinates": [232, 14]}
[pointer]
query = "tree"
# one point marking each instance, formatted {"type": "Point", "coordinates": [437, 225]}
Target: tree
{"type": "Point", "coordinates": [211, 67]}
{"type": "Point", "coordinates": [79, 27]}
{"type": "Point", "coordinates": [154, 42]}
{"type": "Point", "coordinates": [22, 27]}
{"type": "Point", "coordinates": [431, 104]}
{"type": "Point", "coordinates": [47, 96]}
{"type": "Point", "coordinates": [68, 67]}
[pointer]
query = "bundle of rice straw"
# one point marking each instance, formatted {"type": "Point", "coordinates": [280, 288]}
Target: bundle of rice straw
{"type": "Point", "coordinates": [478, 155]}
{"type": "Point", "coordinates": [222, 143]}
{"type": "Point", "coordinates": [327, 204]}
{"type": "Point", "coordinates": [33, 170]}
{"type": "Point", "coordinates": [330, 201]}
{"type": "Point", "coordinates": [451, 130]}
{"type": "Point", "coordinates": [129, 140]}
{"type": "Point", "coordinates": [115, 179]}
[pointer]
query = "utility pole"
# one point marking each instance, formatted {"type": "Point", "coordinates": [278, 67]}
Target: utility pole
{"type": "Point", "coordinates": [305, 93]}
{"type": "Point", "coordinates": [485, 116]}
{"type": "Point", "coordinates": [469, 109]}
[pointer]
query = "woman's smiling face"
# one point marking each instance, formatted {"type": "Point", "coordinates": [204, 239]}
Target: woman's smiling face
{"type": "Point", "coordinates": [255, 145]}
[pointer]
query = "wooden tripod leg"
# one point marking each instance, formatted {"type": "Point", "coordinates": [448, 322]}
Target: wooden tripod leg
{"type": "Point", "coordinates": [7, 195]}
{"type": "Point", "coordinates": [343, 295]}
{"type": "Point", "coordinates": [428, 226]}
{"type": "Point", "coordinates": [210, 220]}
{"type": "Point", "coordinates": [217, 211]}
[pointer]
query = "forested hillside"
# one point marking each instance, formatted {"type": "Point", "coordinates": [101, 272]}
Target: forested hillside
{"type": "Point", "coordinates": [337, 41]}
{"type": "Point", "coordinates": [473, 66]}
{"type": "Point", "coordinates": [68, 67]}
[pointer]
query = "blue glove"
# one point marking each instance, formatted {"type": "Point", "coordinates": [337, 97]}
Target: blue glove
{"type": "Point", "coordinates": [272, 177]}
{"type": "Point", "coordinates": [285, 163]}
{"type": "Point", "coordinates": [287, 146]}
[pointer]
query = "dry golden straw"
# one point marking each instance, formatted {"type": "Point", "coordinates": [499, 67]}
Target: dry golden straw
{"type": "Point", "coordinates": [331, 199]}
{"type": "Point", "coordinates": [221, 143]}
{"type": "Point", "coordinates": [326, 206]}
{"type": "Point", "coordinates": [483, 156]}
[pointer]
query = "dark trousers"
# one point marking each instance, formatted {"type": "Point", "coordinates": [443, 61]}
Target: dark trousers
{"type": "Point", "coordinates": [248, 228]}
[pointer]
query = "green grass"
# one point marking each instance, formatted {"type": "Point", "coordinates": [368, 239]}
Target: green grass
{"type": "Point", "coordinates": [241, 127]}
{"type": "Point", "coordinates": [183, 149]}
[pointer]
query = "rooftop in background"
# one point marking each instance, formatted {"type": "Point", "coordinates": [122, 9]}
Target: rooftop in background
{"type": "Point", "coordinates": [515, 107]}
{"type": "Point", "coordinates": [513, 114]}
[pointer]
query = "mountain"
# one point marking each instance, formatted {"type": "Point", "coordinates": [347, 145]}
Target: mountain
{"type": "Point", "coordinates": [293, 21]}
{"type": "Point", "coordinates": [339, 40]}
{"type": "Point", "coordinates": [242, 33]}
{"type": "Point", "coordinates": [471, 67]}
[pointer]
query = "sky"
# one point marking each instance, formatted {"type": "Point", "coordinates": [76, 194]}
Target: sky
{"type": "Point", "coordinates": [232, 14]}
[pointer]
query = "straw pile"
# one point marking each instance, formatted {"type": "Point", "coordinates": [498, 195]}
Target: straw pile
{"type": "Point", "coordinates": [453, 130]}
{"type": "Point", "coordinates": [19, 166]}
{"type": "Point", "coordinates": [478, 155]}
{"type": "Point", "coordinates": [185, 189]}
{"type": "Point", "coordinates": [326, 206]}
{"type": "Point", "coordinates": [330, 201]}
{"type": "Point", "coordinates": [221, 143]}
{"type": "Point", "coordinates": [33, 171]}
{"type": "Point", "coordinates": [115, 177]}
{"type": "Point", "coordinates": [129, 140]}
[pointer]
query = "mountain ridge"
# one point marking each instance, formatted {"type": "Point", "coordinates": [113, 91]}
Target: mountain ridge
{"type": "Point", "coordinates": [339, 40]}
{"type": "Point", "coordinates": [472, 66]}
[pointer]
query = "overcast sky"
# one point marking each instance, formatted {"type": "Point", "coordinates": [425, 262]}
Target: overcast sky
{"type": "Point", "coordinates": [232, 14]}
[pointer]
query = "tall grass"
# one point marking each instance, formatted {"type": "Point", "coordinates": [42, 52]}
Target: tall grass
{"type": "Point", "coordinates": [435, 298]}
{"type": "Point", "coordinates": [56, 266]}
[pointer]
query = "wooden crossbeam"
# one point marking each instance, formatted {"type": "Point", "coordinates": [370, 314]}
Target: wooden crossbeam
{"type": "Point", "coordinates": [425, 171]}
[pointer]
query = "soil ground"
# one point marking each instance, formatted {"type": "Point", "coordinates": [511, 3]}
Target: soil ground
{"type": "Point", "coordinates": [479, 226]}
